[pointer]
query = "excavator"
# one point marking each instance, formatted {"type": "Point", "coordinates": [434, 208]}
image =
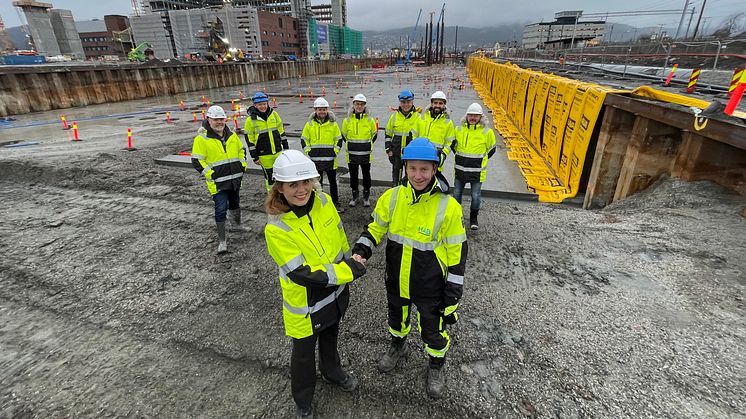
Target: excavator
{"type": "Point", "coordinates": [141, 53]}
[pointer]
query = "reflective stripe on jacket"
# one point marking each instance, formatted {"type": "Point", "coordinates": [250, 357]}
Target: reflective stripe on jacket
{"type": "Point", "coordinates": [426, 248]}
{"type": "Point", "coordinates": [264, 138]}
{"type": "Point", "coordinates": [473, 146]}
{"type": "Point", "coordinates": [401, 129]}
{"type": "Point", "coordinates": [322, 141]}
{"type": "Point", "coordinates": [309, 251]}
{"type": "Point", "coordinates": [222, 161]}
{"type": "Point", "coordinates": [439, 130]}
{"type": "Point", "coordinates": [359, 131]}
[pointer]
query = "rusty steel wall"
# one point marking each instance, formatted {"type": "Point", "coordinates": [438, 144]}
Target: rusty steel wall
{"type": "Point", "coordinates": [34, 89]}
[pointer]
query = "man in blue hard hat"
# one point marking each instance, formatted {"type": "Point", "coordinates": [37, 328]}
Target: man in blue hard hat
{"type": "Point", "coordinates": [425, 259]}
{"type": "Point", "coordinates": [265, 135]}
{"type": "Point", "coordinates": [400, 130]}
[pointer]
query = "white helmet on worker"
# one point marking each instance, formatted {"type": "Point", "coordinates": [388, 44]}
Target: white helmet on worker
{"type": "Point", "coordinates": [320, 102]}
{"type": "Point", "coordinates": [216, 112]}
{"type": "Point", "coordinates": [360, 98]}
{"type": "Point", "coordinates": [292, 166]}
{"type": "Point", "coordinates": [474, 109]}
{"type": "Point", "coordinates": [439, 95]}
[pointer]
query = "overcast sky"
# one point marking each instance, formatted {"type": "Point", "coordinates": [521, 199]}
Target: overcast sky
{"type": "Point", "coordinates": [389, 14]}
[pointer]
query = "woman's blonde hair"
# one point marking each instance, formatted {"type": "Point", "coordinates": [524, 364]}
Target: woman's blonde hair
{"type": "Point", "coordinates": [276, 204]}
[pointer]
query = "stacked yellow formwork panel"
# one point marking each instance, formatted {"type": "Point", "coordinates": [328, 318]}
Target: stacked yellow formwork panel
{"type": "Point", "coordinates": [546, 121]}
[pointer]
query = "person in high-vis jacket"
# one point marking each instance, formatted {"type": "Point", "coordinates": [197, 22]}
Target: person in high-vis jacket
{"type": "Point", "coordinates": [436, 125]}
{"type": "Point", "coordinates": [473, 146]}
{"type": "Point", "coordinates": [425, 259]}
{"type": "Point", "coordinates": [321, 139]}
{"type": "Point", "coordinates": [220, 156]}
{"type": "Point", "coordinates": [400, 130]}
{"type": "Point", "coordinates": [307, 240]}
{"type": "Point", "coordinates": [265, 135]}
{"type": "Point", "coordinates": [359, 131]}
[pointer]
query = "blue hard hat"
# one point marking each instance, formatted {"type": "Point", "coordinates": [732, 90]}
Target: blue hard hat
{"type": "Point", "coordinates": [406, 95]}
{"type": "Point", "coordinates": [259, 97]}
{"type": "Point", "coordinates": [421, 149]}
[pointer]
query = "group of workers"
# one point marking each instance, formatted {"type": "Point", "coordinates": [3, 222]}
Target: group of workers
{"type": "Point", "coordinates": [426, 244]}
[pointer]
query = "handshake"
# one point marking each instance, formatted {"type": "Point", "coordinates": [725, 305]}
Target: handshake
{"type": "Point", "coordinates": [357, 265]}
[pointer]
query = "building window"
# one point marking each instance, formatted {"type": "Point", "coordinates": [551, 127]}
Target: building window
{"type": "Point", "coordinates": [279, 22]}
{"type": "Point", "coordinates": [265, 32]}
{"type": "Point", "coordinates": [274, 33]}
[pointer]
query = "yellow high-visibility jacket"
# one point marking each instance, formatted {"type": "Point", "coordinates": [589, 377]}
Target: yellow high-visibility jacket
{"type": "Point", "coordinates": [221, 160]}
{"type": "Point", "coordinates": [360, 133]}
{"type": "Point", "coordinates": [473, 146]}
{"type": "Point", "coordinates": [265, 138]}
{"type": "Point", "coordinates": [439, 130]}
{"type": "Point", "coordinates": [401, 129]}
{"type": "Point", "coordinates": [426, 248]}
{"type": "Point", "coordinates": [311, 253]}
{"type": "Point", "coordinates": [322, 141]}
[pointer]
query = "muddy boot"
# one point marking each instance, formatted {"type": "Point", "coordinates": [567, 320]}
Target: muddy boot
{"type": "Point", "coordinates": [436, 379]}
{"type": "Point", "coordinates": [235, 218]}
{"type": "Point", "coordinates": [306, 413]}
{"type": "Point", "coordinates": [366, 198]}
{"type": "Point", "coordinates": [354, 198]}
{"type": "Point", "coordinates": [396, 350]}
{"type": "Point", "coordinates": [473, 222]}
{"type": "Point", "coordinates": [349, 383]}
{"type": "Point", "coordinates": [222, 241]}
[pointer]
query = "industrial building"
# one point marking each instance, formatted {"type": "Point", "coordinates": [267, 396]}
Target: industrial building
{"type": "Point", "coordinates": [279, 34]}
{"type": "Point", "coordinates": [328, 41]}
{"type": "Point", "coordinates": [566, 31]}
{"type": "Point", "coordinates": [334, 12]}
{"type": "Point", "coordinates": [105, 38]}
{"type": "Point", "coordinates": [209, 31]}
{"type": "Point", "coordinates": [52, 30]}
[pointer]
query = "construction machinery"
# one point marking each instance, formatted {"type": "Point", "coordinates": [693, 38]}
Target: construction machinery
{"type": "Point", "coordinates": [407, 59]}
{"type": "Point", "coordinates": [141, 53]}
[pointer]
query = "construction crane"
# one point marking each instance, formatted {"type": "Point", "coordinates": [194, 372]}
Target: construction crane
{"type": "Point", "coordinates": [409, 41]}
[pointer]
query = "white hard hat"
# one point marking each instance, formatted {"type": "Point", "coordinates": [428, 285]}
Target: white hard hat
{"type": "Point", "coordinates": [292, 166]}
{"type": "Point", "coordinates": [438, 95]}
{"type": "Point", "coordinates": [215, 111]}
{"type": "Point", "coordinates": [320, 102]}
{"type": "Point", "coordinates": [360, 98]}
{"type": "Point", "coordinates": [474, 109]}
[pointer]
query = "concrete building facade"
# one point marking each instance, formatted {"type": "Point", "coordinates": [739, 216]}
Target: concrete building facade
{"type": "Point", "coordinates": [176, 33]}
{"type": "Point", "coordinates": [40, 26]}
{"type": "Point", "coordinates": [102, 38]}
{"type": "Point", "coordinates": [566, 31]}
{"type": "Point", "coordinates": [66, 33]}
{"type": "Point", "coordinates": [279, 35]}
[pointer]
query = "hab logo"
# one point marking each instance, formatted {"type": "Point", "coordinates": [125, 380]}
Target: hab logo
{"type": "Point", "coordinates": [424, 231]}
{"type": "Point", "coordinates": [302, 172]}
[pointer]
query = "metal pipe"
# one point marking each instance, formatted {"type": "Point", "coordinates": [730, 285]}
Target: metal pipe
{"type": "Point", "coordinates": [717, 55]}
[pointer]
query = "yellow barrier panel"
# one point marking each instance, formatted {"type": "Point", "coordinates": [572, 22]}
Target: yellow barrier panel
{"type": "Point", "coordinates": [547, 121]}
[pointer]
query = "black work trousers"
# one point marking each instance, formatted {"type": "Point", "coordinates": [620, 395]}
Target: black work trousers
{"type": "Point", "coordinates": [365, 167]}
{"type": "Point", "coordinates": [303, 364]}
{"type": "Point", "coordinates": [332, 176]}
{"type": "Point", "coordinates": [429, 321]}
{"type": "Point", "coordinates": [396, 168]}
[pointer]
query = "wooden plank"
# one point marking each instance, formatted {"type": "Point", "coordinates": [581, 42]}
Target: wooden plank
{"type": "Point", "coordinates": [728, 132]}
{"type": "Point", "coordinates": [616, 129]}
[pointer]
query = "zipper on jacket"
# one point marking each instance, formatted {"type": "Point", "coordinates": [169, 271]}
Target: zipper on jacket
{"type": "Point", "coordinates": [312, 242]}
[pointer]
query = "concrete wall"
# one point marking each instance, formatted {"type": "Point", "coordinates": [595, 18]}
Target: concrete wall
{"type": "Point", "coordinates": [66, 33]}
{"type": "Point", "coordinates": [43, 88]}
{"type": "Point", "coordinates": [40, 26]}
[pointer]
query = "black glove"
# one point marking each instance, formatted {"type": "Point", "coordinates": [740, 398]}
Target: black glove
{"type": "Point", "coordinates": [391, 159]}
{"type": "Point", "coordinates": [357, 268]}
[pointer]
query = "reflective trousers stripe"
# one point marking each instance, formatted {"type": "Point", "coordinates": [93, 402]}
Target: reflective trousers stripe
{"type": "Point", "coordinates": [305, 310]}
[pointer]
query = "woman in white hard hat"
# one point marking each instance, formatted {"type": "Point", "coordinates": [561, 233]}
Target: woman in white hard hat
{"type": "Point", "coordinates": [306, 239]}
{"type": "Point", "coordinates": [220, 156]}
{"type": "Point", "coordinates": [321, 139]}
{"type": "Point", "coordinates": [359, 131]}
{"type": "Point", "coordinates": [473, 146]}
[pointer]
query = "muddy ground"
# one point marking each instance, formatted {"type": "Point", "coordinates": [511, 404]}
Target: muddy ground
{"type": "Point", "coordinates": [114, 303]}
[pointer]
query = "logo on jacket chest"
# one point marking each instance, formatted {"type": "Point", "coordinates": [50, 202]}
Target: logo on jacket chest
{"type": "Point", "coordinates": [424, 231]}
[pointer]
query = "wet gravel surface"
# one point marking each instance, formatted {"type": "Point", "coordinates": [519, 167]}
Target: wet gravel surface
{"type": "Point", "coordinates": [114, 302]}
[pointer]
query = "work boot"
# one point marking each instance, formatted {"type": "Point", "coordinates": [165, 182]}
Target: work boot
{"type": "Point", "coordinates": [436, 379]}
{"type": "Point", "coordinates": [366, 198]}
{"type": "Point", "coordinates": [223, 242]}
{"type": "Point", "coordinates": [306, 413]}
{"type": "Point", "coordinates": [347, 385]}
{"type": "Point", "coordinates": [235, 218]}
{"type": "Point", "coordinates": [354, 198]}
{"type": "Point", "coordinates": [473, 222]}
{"type": "Point", "coordinates": [396, 350]}
{"type": "Point", "coordinates": [340, 208]}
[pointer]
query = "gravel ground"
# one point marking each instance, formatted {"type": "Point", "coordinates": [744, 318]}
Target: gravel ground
{"type": "Point", "coordinates": [114, 302]}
